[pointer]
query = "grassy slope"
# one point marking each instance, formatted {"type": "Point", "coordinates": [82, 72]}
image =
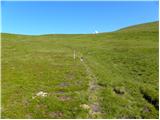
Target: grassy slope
{"type": "Point", "coordinates": [124, 64]}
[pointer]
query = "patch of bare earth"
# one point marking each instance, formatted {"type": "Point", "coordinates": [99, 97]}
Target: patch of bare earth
{"type": "Point", "coordinates": [64, 98]}
{"type": "Point", "coordinates": [95, 107]}
{"type": "Point", "coordinates": [93, 89]}
{"type": "Point", "coordinates": [56, 114]}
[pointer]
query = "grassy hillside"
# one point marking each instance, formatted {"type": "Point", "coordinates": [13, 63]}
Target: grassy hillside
{"type": "Point", "coordinates": [113, 75]}
{"type": "Point", "coordinates": [152, 27]}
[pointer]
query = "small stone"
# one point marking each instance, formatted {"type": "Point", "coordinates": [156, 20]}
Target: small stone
{"type": "Point", "coordinates": [42, 94]}
{"type": "Point", "coordinates": [85, 106]}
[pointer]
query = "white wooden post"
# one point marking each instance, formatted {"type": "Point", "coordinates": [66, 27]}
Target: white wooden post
{"type": "Point", "coordinates": [74, 55]}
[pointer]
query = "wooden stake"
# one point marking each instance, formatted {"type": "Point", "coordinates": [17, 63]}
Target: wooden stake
{"type": "Point", "coordinates": [74, 55]}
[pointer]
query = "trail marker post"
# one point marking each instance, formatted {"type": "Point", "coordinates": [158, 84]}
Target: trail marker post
{"type": "Point", "coordinates": [74, 55]}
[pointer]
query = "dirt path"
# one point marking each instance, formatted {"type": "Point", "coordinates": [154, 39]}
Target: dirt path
{"type": "Point", "coordinates": [93, 89]}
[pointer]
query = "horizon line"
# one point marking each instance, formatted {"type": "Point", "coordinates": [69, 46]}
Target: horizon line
{"type": "Point", "coordinates": [76, 33]}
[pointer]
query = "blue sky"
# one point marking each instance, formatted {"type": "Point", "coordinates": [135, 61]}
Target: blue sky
{"type": "Point", "coordinates": [35, 17]}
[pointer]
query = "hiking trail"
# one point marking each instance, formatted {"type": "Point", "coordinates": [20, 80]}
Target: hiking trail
{"type": "Point", "coordinates": [93, 90]}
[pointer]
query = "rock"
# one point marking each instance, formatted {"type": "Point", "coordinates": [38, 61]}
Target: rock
{"type": "Point", "coordinates": [85, 106]}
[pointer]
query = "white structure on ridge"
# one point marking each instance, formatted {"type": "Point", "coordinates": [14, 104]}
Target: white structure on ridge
{"type": "Point", "coordinates": [96, 32]}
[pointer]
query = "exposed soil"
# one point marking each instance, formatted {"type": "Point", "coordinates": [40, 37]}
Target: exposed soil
{"type": "Point", "coordinates": [64, 98]}
{"type": "Point", "coordinates": [55, 114]}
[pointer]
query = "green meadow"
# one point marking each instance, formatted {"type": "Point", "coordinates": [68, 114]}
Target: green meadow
{"type": "Point", "coordinates": [104, 75]}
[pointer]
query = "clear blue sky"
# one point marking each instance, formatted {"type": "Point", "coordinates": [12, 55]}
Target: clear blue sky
{"type": "Point", "coordinates": [74, 17]}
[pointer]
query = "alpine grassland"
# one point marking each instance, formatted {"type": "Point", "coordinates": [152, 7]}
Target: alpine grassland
{"type": "Point", "coordinates": [104, 75]}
